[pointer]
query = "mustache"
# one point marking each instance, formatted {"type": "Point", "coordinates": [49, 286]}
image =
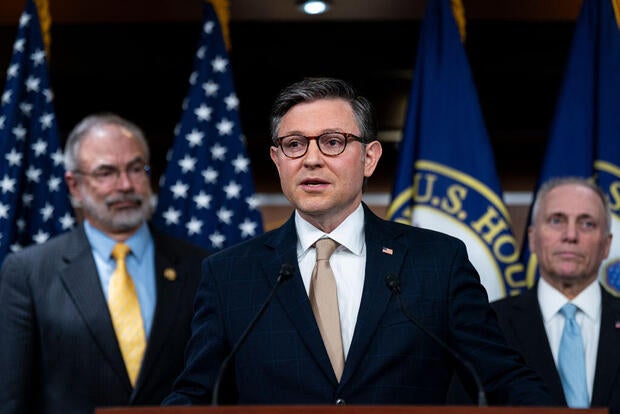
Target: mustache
{"type": "Point", "coordinates": [121, 198]}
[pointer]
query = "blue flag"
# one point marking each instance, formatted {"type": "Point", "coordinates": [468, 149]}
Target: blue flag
{"type": "Point", "coordinates": [446, 178]}
{"type": "Point", "coordinates": [34, 201]}
{"type": "Point", "coordinates": [585, 134]}
{"type": "Point", "coordinates": [207, 193]}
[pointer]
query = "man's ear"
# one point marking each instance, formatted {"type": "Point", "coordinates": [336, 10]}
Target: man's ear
{"type": "Point", "coordinates": [371, 159]}
{"type": "Point", "coordinates": [273, 153]}
{"type": "Point", "coordinates": [530, 239]}
{"type": "Point", "coordinates": [72, 184]}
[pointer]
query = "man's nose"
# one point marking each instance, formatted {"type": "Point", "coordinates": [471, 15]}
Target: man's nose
{"type": "Point", "coordinates": [123, 180]}
{"type": "Point", "coordinates": [313, 154]}
{"type": "Point", "coordinates": [570, 232]}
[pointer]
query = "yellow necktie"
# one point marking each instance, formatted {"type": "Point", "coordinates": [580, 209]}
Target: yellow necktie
{"type": "Point", "coordinates": [125, 312]}
{"type": "Point", "coordinates": [324, 300]}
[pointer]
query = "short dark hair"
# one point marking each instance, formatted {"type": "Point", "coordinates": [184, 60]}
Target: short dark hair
{"type": "Point", "coordinates": [312, 89]}
{"type": "Point", "coordinates": [580, 181]}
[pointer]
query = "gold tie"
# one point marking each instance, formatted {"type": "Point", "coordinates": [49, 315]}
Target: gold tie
{"type": "Point", "coordinates": [125, 313]}
{"type": "Point", "coordinates": [324, 300]}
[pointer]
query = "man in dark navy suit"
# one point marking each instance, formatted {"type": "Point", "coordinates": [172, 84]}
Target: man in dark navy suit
{"type": "Point", "coordinates": [325, 147]}
{"type": "Point", "coordinates": [571, 236]}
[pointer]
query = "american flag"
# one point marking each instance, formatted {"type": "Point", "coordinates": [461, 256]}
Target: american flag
{"type": "Point", "coordinates": [34, 202]}
{"type": "Point", "coordinates": [207, 193]}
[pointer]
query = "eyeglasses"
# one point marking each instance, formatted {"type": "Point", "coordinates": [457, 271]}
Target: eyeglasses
{"type": "Point", "coordinates": [108, 175]}
{"type": "Point", "coordinates": [329, 143]}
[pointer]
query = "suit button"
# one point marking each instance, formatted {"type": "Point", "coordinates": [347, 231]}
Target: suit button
{"type": "Point", "coordinates": [340, 401]}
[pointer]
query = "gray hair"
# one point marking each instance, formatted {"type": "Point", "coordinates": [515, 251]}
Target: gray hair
{"type": "Point", "coordinates": [580, 181]}
{"type": "Point", "coordinates": [86, 125]}
{"type": "Point", "coordinates": [312, 89]}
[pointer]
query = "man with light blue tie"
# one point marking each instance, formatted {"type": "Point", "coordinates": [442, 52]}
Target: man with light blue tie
{"type": "Point", "coordinates": [568, 325]}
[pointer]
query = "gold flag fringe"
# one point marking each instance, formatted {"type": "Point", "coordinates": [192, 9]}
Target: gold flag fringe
{"type": "Point", "coordinates": [46, 22]}
{"type": "Point", "coordinates": [222, 9]}
{"type": "Point", "coordinates": [459, 15]}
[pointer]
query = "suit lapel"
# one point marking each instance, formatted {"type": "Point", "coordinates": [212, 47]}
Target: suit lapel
{"type": "Point", "coordinates": [530, 332]}
{"type": "Point", "coordinates": [80, 278]}
{"type": "Point", "coordinates": [608, 356]}
{"type": "Point", "coordinates": [384, 255]}
{"type": "Point", "coordinates": [292, 294]}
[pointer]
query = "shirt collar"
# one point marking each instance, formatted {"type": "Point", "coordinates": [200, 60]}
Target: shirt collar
{"type": "Point", "coordinates": [102, 244]}
{"type": "Point", "coordinates": [350, 233]}
{"type": "Point", "coordinates": [551, 300]}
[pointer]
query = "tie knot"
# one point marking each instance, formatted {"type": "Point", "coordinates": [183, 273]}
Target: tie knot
{"type": "Point", "coordinates": [569, 311]}
{"type": "Point", "coordinates": [119, 252]}
{"type": "Point", "coordinates": [324, 248]}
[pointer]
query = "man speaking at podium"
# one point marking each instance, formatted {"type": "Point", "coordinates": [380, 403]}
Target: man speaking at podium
{"type": "Point", "coordinates": [335, 332]}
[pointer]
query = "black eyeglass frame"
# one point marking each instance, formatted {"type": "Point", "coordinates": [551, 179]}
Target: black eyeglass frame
{"type": "Point", "coordinates": [347, 137]}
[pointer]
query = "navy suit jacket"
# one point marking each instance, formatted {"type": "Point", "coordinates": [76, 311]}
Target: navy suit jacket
{"type": "Point", "coordinates": [58, 349]}
{"type": "Point", "coordinates": [522, 323]}
{"type": "Point", "coordinates": [390, 361]}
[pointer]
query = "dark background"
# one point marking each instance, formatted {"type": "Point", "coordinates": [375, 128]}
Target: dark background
{"type": "Point", "coordinates": [139, 69]}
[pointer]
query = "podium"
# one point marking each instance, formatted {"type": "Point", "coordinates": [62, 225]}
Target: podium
{"type": "Point", "coordinates": [346, 409]}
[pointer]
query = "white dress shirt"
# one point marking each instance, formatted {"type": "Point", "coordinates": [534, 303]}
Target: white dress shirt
{"type": "Point", "coordinates": [348, 263]}
{"type": "Point", "coordinates": [588, 318]}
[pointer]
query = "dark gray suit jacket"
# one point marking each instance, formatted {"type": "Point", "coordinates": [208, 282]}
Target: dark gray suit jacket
{"type": "Point", "coordinates": [58, 350]}
{"type": "Point", "coordinates": [522, 323]}
{"type": "Point", "coordinates": [390, 361]}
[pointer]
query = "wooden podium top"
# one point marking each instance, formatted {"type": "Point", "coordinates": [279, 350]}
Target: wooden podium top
{"type": "Point", "coordinates": [346, 409]}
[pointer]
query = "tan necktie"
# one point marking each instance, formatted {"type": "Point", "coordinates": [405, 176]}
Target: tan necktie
{"type": "Point", "coordinates": [125, 313]}
{"type": "Point", "coordinates": [324, 301]}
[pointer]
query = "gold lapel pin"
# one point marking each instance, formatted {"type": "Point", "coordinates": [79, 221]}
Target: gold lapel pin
{"type": "Point", "coordinates": [170, 274]}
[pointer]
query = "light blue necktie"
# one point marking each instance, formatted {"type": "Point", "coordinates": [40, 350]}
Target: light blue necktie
{"type": "Point", "coordinates": [571, 361]}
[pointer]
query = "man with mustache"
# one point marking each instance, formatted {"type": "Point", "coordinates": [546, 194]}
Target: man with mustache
{"type": "Point", "coordinates": [571, 236]}
{"type": "Point", "coordinates": [99, 316]}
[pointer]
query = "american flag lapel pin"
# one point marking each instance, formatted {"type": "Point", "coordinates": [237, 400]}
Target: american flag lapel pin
{"type": "Point", "coordinates": [387, 250]}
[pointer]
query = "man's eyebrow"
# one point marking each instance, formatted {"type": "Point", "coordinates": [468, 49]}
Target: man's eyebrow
{"type": "Point", "coordinates": [586, 216]}
{"type": "Point", "coordinates": [133, 161]}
